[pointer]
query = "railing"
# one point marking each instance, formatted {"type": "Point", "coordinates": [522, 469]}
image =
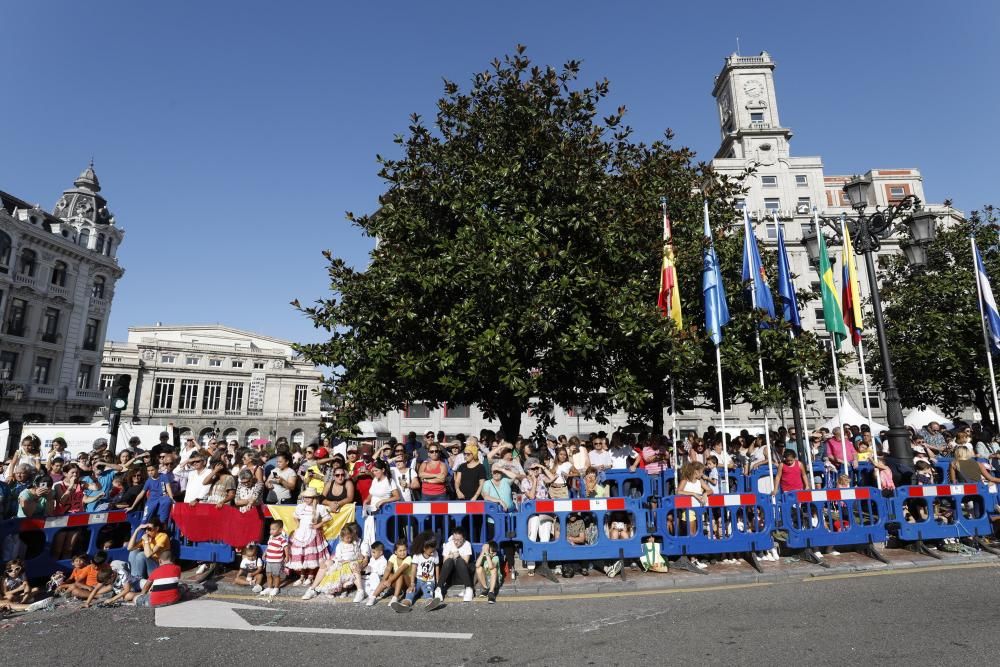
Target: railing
{"type": "Point", "coordinates": [14, 331]}
{"type": "Point", "coordinates": [58, 290]}
{"type": "Point", "coordinates": [101, 304]}
{"type": "Point", "coordinates": [749, 60]}
{"type": "Point", "coordinates": [39, 390]}
{"type": "Point", "coordinates": [759, 125]}
{"type": "Point", "coordinates": [234, 413]}
{"type": "Point", "coordinates": [90, 394]}
{"type": "Point", "coordinates": [255, 413]}
{"type": "Point", "coordinates": [25, 280]}
{"type": "Point", "coordinates": [186, 411]}
{"type": "Point", "coordinates": [161, 411]}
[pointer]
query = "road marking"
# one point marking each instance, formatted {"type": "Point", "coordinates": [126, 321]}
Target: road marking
{"type": "Point", "coordinates": [910, 570]}
{"type": "Point", "coordinates": [211, 615]}
{"type": "Point", "coordinates": [550, 597]}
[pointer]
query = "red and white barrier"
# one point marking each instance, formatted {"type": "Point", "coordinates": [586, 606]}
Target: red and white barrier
{"type": "Point", "coordinates": [72, 521]}
{"type": "Point", "coordinates": [717, 500]}
{"type": "Point", "coordinates": [444, 507]}
{"type": "Point", "coordinates": [594, 505]}
{"type": "Point", "coordinates": [832, 495]}
{"type": "Point", "coordinates": [942, 490]}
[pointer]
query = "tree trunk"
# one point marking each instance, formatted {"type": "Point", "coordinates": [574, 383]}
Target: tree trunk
{"type": "Point", "coordinates": [510, 423]}
{"type": "Point", "coordinates": [984, 410]}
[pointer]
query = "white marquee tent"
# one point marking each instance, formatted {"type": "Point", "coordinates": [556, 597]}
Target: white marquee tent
{"type": "Point", "coordinates": [852, 416]}
{"type": "Point", "coordinates": [921, 418]}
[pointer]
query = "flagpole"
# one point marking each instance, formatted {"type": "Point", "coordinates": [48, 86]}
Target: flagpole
{"type": "Point", "coordinates": [755, 270]}
{"type": "Point", "coordinates": [868, 409]}
{"type": "Point", "coordinates": [982, 321]}
{"type": "Point", "coordinates": [840, 410]}
{"type": "Point", "coordinates": [673, 431]}
{"type": "Point", "coordinates": [805, 428]}
{"type": "Point", "coordinates": [722, 407]}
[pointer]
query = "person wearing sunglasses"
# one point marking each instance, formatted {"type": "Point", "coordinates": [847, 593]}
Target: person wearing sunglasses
{"type": "Point", "coordinates": [339, 490]}
{"type": "Point", "coordinates": [433, 474]}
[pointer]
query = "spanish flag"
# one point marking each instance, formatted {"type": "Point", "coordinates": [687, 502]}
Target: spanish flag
{"type": "Point", "coordinates": [669, 300]}
{"type": "Point", "coordinates": [850, 292]}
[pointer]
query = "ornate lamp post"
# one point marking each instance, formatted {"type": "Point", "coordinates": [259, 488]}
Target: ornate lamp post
{"type": "Point", "coordinates": [867, 232]}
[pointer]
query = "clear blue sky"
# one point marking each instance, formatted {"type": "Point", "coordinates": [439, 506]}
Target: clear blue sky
{"type": "Point", "coordinates": [231, 136]}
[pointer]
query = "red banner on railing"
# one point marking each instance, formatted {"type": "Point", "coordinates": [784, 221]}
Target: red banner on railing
{"type": "Point", "coordinates": [207, 523]}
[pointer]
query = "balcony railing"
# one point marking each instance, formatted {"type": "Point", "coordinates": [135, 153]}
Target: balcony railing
{"type": "Point", "coordinates": [13, 330]}
{"type": "Point", "coordinates": [206, 411]}
{"type": "Point", "coordinates": [161, 411]}
{"type": "Point", "coordinates": [24, 279]}
{"type": "Point", "coordinates": [89, 394]}
{"type": "Point", "coordinates": [255, 413]}
{"type": "Point", "coordinates": [98, 303]}
{"type": "Point", "coordinates": [185, 411]}
{"type": "Point", "coordinates": [58, 290]}
{"type": "Point", "coordinates": [234, 413]}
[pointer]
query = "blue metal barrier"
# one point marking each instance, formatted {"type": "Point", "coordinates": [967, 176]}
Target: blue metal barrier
{"type": "Point", "coordinates": [835, 517]}
{"type": "Point", "coordinates": [943, 511]}
{"type": "Point", "coordinates": [604, 512]}
{"type": "Point", "coordinates": [754, 482]}
{"type": "Point", "coordinates": [638, 485]}
{"type": "Point", "coordinates": [39, 537]}
{"type": "Point", "coordinates": [730, 523]}
{"type": "Point", "coordinates": [480, 521]}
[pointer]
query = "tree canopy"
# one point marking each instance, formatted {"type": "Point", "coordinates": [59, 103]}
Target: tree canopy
{"type": "Point", "coordinates": [517, 263]}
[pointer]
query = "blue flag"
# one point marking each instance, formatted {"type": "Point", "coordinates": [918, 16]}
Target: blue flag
{"type": "Point", "coordinates": [754, 270]}
{"type": "Point", "coordinates": [988, 303]}
{"type": "Point", "coordinates": [716, 310]}
{"type": "Point", "coordinates": [786, 288]}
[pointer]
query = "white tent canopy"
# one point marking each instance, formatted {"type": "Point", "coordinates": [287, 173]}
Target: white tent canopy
{"type": "Point", "coordinates": [852, 416]}
{"type": "Point", "coordinates": [918, 419]}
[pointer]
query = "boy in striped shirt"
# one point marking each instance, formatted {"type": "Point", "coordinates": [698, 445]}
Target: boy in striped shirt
{"type": "Point", "coordinates": [275, 556]}
{"type": "Point", "coordinates": [163, 586]}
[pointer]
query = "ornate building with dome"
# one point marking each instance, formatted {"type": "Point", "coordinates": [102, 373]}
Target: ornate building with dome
{"type": "Point", "coordinates": [58, 273]}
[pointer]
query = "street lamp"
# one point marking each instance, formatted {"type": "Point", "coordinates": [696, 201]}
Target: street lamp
{"type": "Point", "coordinates": [868, 231]}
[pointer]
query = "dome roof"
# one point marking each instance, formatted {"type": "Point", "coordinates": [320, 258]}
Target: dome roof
{"type": "Point", "coordinates": [88, 179]}
{"type": "Point", "coordinates": [83, 203]}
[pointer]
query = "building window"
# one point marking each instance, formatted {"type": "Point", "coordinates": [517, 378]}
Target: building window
{"type": "Point", "coordinates": [741, 203]}
{"type": "Point", "coordinates": [98, 290]}
{"type": "Point", "coordinates": [896, 192]}
{"type": "Point", "coordinates": [808, 229]}
{"type": "Point", "coordinates": [772, 204]}
{"type": "Point", "coordinates": [59, 274]}
{"type": "Point", "coordinates": [5, 246]}
{"type": "Point", "coordinates": [769, 181]}
{"type": "Point", "coordinates": [818, 313]}
{"type": "Point", "coordinates": [83, 376]}
{"type": "Point", "coordinates": [874, 401]}
{"type": "Point", "coordinates": [99, 247]}
{"type": "Point", "coordinates": [192, 361]}
{"type": "Point", "coordinates": [237, 364]}
{"type": "Point", "coordinates": [189, 395]}
{"type": "Point", "coordinates": [167, 358]}
{"type": "Point", "coordinates": [90, 334]}
{"type": "Point", "coordinates": [301, 392]}
{"type": "Point", "coordinates": [814, 286]}
{"type": "Point", "coordinates": [456, 411]}
{"type": "Point", "coordinates": [757, 117]}
{"type": "Point", "coordinates": [417, 411]}
{"type": "Point", "coordinates": [258, 365]}
{"type": "Point", "coordinates": [16, 317]}
{"type": "Point", "coordinates": [163, 394]}
{"type": "Point", "coordinates": [844, 199]}
{"type": "Point", "coordinates": [831, 400]}
{"type": "Point", "coordinates": [234, 396]}
{"type": "Point", "coordinates": [41, 373]}
{"type": "Point", "coordinates": [803, 206]}
{"type": "Point", "coordinates": [8, 364]}
{"type": "Point", "coordinates": [107, 380]}
{"type": "Point", "coordinates": [84, 239]}
{"type": "Point", "coordinates": [50, 325]}
{"type": "Point", "coordinates": [29, 263]}
{"type": "Point", "coordinates": [215, 362]}
{"type": "Point", "coordinates": [771, 231]}
{"type": "Point", "coordinates": [801, 180]}
{"type": "Point", "coordinates": [210, 401]}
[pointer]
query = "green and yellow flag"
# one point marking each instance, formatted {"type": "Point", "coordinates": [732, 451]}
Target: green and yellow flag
{"type": "Point", "coordinates": [833, 316]}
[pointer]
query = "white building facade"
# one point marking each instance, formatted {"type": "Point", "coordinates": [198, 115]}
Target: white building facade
{"type": "Point", "coordinates": [57, 279]}
{"type": "Point", "coordinates": [216, 380]}
{"type": "Point", "coordinates": [784, 190]}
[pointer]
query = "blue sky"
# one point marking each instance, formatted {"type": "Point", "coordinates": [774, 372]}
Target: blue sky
{"type": "Point", "coordinates": [231, 136]}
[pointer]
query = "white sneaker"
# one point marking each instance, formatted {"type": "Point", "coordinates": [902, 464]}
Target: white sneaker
{"type": "Point", "coordinates": [833, 553]}
{"type": "Point", "coordinates": [307, 581]}
{"type": "Point", "coordinates": [202, 569]}
{"type": "Point", "coordinates": [47, 603]}
{"type": "Point", "coordinates": [274, 592]}
{"type": "Point", "coordinates": [360, 596]}
{"type": "Point", "coordinates": [309, 594]}
{"type": "Point", "coordinates": [142, 584]}
{"type": "Point", "coordinates": [266, 592]}
{"type": "Point", "coordinates": [257, 588]}
{"type": "Point", "coordinates": [298, 582]}
{"type": "Point", "coordinates": [371, 601]}
{"type": "Point", "coordinates": [395, 598]}
{"type": "Point", "coordinates": [438, 594]}
{"type": "Point", "coordinates": [467, 595]}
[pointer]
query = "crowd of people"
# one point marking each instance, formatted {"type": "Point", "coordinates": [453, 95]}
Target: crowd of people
{"type": "Point", "coordinates": [326, 478]}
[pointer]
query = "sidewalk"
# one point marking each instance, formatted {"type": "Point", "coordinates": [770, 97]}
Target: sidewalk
{"type": "Point", "coordinates": [788, 568]}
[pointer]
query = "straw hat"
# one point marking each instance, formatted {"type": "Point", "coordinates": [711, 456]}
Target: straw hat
{"type": "Point", "coordinates": [310, 492]}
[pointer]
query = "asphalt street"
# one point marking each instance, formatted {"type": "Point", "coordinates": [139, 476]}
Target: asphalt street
{"type": "Point", "coordinates": [940, 616]}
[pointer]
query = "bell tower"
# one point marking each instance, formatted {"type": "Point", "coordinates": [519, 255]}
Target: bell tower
{"type": "Point", "coordinates": [748, 110]}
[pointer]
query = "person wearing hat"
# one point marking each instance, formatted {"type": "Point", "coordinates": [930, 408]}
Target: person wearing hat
{"type": "Point", "coordinates": [133, 445]}
{"type": "Point", "coordinates": [307, 544]}
{"type": "Point", "coordinates": [165, 445]}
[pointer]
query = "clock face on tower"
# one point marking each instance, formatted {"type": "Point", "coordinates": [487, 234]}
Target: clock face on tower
{"type": "Point", "coordinates": [753, 88]}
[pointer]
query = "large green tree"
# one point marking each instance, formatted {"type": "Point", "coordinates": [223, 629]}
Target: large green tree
{"type": "Point", "coordinates": [933, 323]}
{"type": "Point", "coordinates": [517, 262]}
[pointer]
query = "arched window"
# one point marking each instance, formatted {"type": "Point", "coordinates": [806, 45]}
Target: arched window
{"type": "Point", "coordinates": [100, 244]}
{"type": "Point", "coordinates": [5, 246]}
{"type": "Point", "coordinates": [59, 274]}
{"type": "Point", "coordinates": [231, 434]}
{"type": "Point", "coordinates": [98, 292]}
{"type": "Point", "coordinates": [85, 237]}
{"type": "Point", "coordinates": [298, 436]}
{"type": "Point", "coordinates": [107, 247]}
{"type": "Point", "coordinates": [29, 262]}
{"type": "Point", "coordinates": [206, 435]}
{"type": "Point", "coordinates": [251, 435]}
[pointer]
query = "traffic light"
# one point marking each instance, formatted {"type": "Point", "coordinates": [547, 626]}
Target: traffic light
{"type": "Point", "coordinates": [119, 393]}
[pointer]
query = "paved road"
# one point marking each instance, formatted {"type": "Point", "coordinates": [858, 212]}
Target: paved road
{"type": "Point", "coordinates": [936, 616]}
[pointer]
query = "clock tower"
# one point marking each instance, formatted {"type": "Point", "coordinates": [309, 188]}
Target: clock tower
{"type": "Point", "coordinates": [748, 110]}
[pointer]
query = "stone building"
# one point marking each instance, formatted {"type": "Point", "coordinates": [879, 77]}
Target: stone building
{"type": "Point", "coordinates": [214, 379]}
{"type": "Point", "coordinates": [57, 279]}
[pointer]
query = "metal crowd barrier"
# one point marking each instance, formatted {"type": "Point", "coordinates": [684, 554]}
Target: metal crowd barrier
{"type": "Point", "coordinates": [835, 517]}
